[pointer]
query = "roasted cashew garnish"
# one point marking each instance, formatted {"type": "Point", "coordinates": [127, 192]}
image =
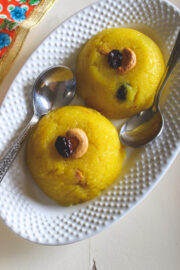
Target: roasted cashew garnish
{"type": "Point", "coordinates": [80, 177]}
{"type": "Point", "coordinates": [104, 50]}
{"type": "Point", "coordinates": [82, 141]}
{"type": "Point", "coordinates": [128, 61]}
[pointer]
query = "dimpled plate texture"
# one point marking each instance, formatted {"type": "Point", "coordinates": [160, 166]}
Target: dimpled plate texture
{"type": "Point", "coordinates": [23, 207]}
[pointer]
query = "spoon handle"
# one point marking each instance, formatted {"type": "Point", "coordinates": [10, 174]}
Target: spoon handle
{"type": "Point", "coordinates": [174, 58]}
{"type": "Point", "coordinates": [11, 153]}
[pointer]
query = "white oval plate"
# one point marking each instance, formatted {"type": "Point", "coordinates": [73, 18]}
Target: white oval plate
{"type": "Point", "coordinates": [23, 207]}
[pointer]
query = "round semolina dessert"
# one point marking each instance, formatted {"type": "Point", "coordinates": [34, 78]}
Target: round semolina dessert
{"type": "Point", "coordinates": [118, 71]}
{"type": "Point", "coordinates": [73, 154]}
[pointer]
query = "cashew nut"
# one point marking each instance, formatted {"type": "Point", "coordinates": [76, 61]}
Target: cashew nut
{"type": "Point", "coordinates": [81, 179]}
{"type": "Point", "coordinates": [128, 61]}
{"type": "Point", "coordinates": [82, 141]}
{"type": "Point", "coordinates": [104, 50]}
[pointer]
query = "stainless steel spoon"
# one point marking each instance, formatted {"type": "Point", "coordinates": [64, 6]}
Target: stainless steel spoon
{"type": "Point", "coordinates": [55, 87]}
{"type": "Point", "coordinates": [146, 125]}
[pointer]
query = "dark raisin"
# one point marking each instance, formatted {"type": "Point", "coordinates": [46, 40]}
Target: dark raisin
{"type": "Point", "coordinates": [115, 59]}
{"type": "Point", "coordinates": [63, 146]}
{"type": "Point", "coordinates": [122, 92]}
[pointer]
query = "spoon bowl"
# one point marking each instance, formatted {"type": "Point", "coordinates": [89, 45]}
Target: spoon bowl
{"type": "Point", "coordinates": [54, 88]}
{"type": "Point", "coordinates": [142, 128]}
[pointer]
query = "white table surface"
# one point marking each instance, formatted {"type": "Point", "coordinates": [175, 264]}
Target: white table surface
{"type": "Point", "coordinates": [147, 238]}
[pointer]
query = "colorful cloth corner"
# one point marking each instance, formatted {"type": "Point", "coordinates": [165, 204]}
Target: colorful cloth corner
{"type": "Point", "coordinates": [16, 19]}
